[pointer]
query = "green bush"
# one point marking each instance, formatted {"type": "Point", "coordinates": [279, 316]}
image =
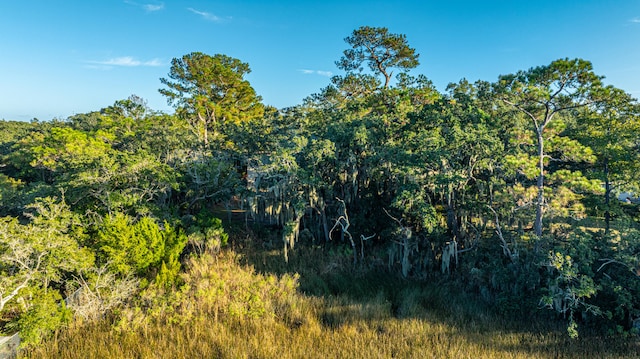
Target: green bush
{"type": "Point", "coordinates": [141, 247]}
{"type": "Point", "coordinates": [47, 313]}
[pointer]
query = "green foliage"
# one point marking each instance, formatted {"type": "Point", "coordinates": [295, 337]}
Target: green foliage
{"type": "Point", "coordinates": [210, 238]}
{"type": "Point", "coordinates": [620, 277]}
{"type": "Point", "coordinates": [130, 246]}
{"type": "Point", "coordinates": [175, 242]}
{"type": "Point", "coordinates": [40, 252]}
{"type": "Point", "coordinates": [46, 314]}
{"type": "Point", "coordinates": [569, 290]}
{"type": "Point", "coordinates": [380, 50]}
{"type": "Point", "coordinates": [10, 193]}
{"type": "Point", "coordinates": [36, 257]}
{"type": "Point", "coordinates": [140, 246]}
{"type": "Point", "coordinates": [96, 165]}
{"type": "Point", "coordinates": [66, 149]}
{"type": "Point", "coordinates": [12, 131]}
{"type": "Point", "coordinates": [507, 187]}
{"type": "Point", "coordinates": [521, 164]}
{"type": "Point", "coordinates": [207, 178]}
{"type": "Point", "coordinates": [211, 93]}
{"type": "Point", "coordinates": [418, 210]}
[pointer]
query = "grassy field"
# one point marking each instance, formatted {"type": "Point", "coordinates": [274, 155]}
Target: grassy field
{"type": "Point", "coordinates": [253, 305]}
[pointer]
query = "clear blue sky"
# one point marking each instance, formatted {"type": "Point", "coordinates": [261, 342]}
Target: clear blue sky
{"type": "Point", "coordinates": [62, 57]}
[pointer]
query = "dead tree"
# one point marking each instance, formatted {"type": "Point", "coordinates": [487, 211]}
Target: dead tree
{"type": "Point", "coordinates": [343, 222]}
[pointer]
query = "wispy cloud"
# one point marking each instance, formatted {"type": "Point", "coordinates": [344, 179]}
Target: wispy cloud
{"type": "Point", "coordinates": [125, 61]}
{"type": "Point", "coordinates": [635, 20]}
{"type": "Point", "coordinates": [316, 72]}
{"type": "Point", "coordinates": [153, 7]}
{"type": "Point", "coordinates": [147, 7]}
{"type": "Point", "coordinates": [209, 16]}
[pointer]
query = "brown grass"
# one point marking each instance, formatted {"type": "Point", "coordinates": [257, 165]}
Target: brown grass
{"type": "Point", "coordinates": [228, 310]}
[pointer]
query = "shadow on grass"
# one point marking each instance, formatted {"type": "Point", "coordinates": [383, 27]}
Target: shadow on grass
{"type": "Point", "coordinates": [369, 293]}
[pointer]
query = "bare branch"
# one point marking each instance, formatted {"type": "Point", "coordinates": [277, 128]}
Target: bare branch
{"type": "Point", "coordinates": [503, 243]}
{"type": "Point", "coordinates": [343, 221]}
{"type": "Point", "coordinates": [608, 261]}
{"type": "Point", "coordinates": [5, 299]}
{"type": "Point", "coordinates": [392, 217]}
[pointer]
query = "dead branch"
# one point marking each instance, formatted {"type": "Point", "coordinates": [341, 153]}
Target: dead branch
{"type": "Point", "coordinates": [503, 243]}
{"type": "Point", "coordinates": [608, 261]}
{"type": "Point", "coordinates": [362, 240]}
{"type": "Point", "coordinates": [343, 222]}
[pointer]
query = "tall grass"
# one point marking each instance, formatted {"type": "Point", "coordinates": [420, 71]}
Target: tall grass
{"type": "Point", "coordinates": [228, 309]}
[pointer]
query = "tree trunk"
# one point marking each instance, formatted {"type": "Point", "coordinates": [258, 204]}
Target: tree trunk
{"type": "Point", "coordinates": [325, 225]}
{"type": "Point", "coordinates": [205, 135]}
{"type": "Point", "coordinates": [406, 250]}
{"type": "Point", "coordinates": [607, 196]}
{"type": "Point", "coordinates": [537, 226]}
{"type": "Point", "coordinates": [290, 235]}
{"type": "Point", "coordinates": [452, 220]}
{"type": "Point", "coordinates": [387, 79]}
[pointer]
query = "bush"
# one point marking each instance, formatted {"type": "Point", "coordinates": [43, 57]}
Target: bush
{"type": "Point", "coordinates": [45, 315]}
{"type": "Point", "coordinates": [141, 247]}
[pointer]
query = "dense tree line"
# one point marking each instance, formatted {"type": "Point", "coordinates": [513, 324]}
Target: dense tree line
{"type": "Point", "coordinates": [509, 187]}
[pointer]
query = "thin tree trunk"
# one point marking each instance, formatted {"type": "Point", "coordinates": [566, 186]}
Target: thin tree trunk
{"type": "Point", "coordinates": [452, 220]}
{"type": "Point", "coordinates": [206, 135]}
{"type": "Point", "coordinates": [406, 250]}
{"type": "Point", "coordinates": [325, 225]}
{"type": "Point", "coordinates": [537, 226]}
{"type": "Point", "coordinates": [607, 196]}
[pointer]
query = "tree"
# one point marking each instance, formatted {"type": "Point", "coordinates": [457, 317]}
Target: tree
{"type": "Point", "coordinates": [542, 94]}
{"type": "Point", "coordinates": [39, 252]}
{"type": "Point", "coordinates": [611, 129]}
{"type": "Point", "coordinates": [102, 169]}
{"type": "Point", "coordinates": [381, 51]}
{"type": "Point", "coordinates": [211, 92]}
{"type": "Point", "coordinates": [134, 107]}
{"type": "Point", "coordinates": [444, 158]}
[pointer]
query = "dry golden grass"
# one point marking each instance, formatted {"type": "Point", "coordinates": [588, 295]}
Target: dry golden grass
{"type": "Point", "coordinates": [227, 310]}
{"type": "Point", "coordinates": [378, 338]}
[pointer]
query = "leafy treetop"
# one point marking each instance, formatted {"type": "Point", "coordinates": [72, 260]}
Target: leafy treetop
{"type": "Point", "coordinates": [211, 92]}
{"type": "Point", "coordinates": [381, 51]}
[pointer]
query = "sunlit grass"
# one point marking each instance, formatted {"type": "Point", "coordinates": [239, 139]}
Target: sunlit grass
{"type": "Point", "coordinates": [384, 337]}
{"type": "Point", "coordinates": [231, 310]}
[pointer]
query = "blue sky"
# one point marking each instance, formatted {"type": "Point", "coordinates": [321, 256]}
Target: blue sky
{"type": "Point", "coordinates": [59, 58]}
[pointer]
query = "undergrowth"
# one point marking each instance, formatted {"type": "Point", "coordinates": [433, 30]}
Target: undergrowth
{"type": "Point", "coordinates": [245, 302]}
